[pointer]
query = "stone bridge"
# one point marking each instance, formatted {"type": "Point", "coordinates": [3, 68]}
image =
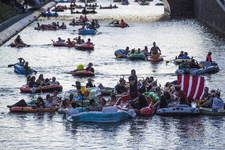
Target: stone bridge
{"type": "Point", "coordinates": [211, 12]}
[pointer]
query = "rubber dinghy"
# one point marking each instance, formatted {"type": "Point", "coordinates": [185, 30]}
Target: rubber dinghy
{"type": "Point", "coordinates": [181, 109]}
{"type": "Point", "coordinates": [210, 111]}
{"type": "Point", "coordinates": [83, 73]}
{"type": "Point", "coordinates": [46, 88]}
{"type": "Point", "coordinates": [20, 69]}
{"type": "Point", "coordinates": [195, 71]}
{"type": "Point", "coordinates": [87, 32]}
{"type": "Point", "coordinates": [108, 114]}
{"type": "Point", "coordinates": [121, 53]}
{"type": "Point", "coordinates": [32, 110]}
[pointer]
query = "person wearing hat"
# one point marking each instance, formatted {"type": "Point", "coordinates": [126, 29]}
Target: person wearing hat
{"type": "Point", "coordinates": [133, 84]}
{"type": "Point", "coordinates": [89, 84]}
{"type": "Point", "coordinates": [217, 102]}
{"type": "Point", "coordinates": [90, 68]}
{"type": "Point", "coordinates": [120, 88]}
{"type": "Point", "coordinates": [21, 61]}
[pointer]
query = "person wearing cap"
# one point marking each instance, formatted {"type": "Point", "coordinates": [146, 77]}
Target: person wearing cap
{"type": "Point", "coordinates": [21, 61]}
{"type": "Point", "coordinates": [217, 102]}
{"type": "Point", "coordinates": [90, 68]}
{"type": "Point", "coordinates": [120, 88]}
{"type": "Point", "coordinates": [89, 84]}
{"type": "Point", "coordinates": [133, 84]}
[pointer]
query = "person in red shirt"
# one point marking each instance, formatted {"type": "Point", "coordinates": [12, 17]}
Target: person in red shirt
{"type": "Point", "coordinates": [123, 23]}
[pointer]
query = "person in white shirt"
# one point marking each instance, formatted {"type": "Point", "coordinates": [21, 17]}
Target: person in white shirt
{"type": "Point", "coordinates": [217, 102]}
{"type": "Point", "coordinates": [70, 112]}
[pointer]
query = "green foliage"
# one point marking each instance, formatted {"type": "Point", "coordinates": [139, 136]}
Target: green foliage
{"type": "Point", "coordinates": [6, 12]}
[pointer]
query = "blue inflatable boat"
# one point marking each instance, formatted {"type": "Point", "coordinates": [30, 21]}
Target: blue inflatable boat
{"type": "Point", "coordinates": [49, 14]}
{"type": "Point", "coordinates": [120, 51]}
{"type": "Point", "coordinates": [87, 32]}
{"type": "Point", "coordinates": [21, 70]}
{"type": "Point", "coordinates": [104, 116]}
{"type": "Point", "coordinates": [195, 71]}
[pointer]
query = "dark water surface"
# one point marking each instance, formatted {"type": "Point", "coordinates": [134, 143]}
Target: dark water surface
{"type": "Point", "coordinates": [52, 131]}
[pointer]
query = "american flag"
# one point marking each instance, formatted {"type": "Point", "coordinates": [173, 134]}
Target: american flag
{"type": "Point", "coordinates": [193, 86]}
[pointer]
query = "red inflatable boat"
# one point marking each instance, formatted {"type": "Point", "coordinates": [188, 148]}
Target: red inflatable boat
{"type": "Point", "coordinates": [146, 111]}
{"type": "Point", "coordinates": [47, 88]}
{"type": "Point", "coordinates": [82, 73]}
{"type": "Point", "coordinates": [84, 47]}
{"type": "Point", "coordinates": [154, 59]}
{"type": "Point", "coordinates": [64, 44]}
{"type": "Point", "coordinates": [30, 109]}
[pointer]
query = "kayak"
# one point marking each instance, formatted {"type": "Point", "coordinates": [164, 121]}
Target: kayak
{"type": "Point", "coordinates": [93, 92]}
{"type": "Point", "coordinates": [122, 103]}
{"type": "Point", "coordinates": [49, 14]}
{"type": "Point", "coordinates": [83, 73]}
{"type": "Point", "coordinates": [177, 110]}
{"type": "Point", "coordinates": [20, 69]}
{"type": "Point", "coordinates": [63, 44]}
{"type": "Point", "coordinates": [149, 58]}
{"type": "Point", "coordinates": [30, 109]}
{"type": "Point", "coordinates": [210, 111]}
{"type": "Point", "coordinates": [47, 88]}
{"type": "Point", "coordinates": [108, 114]}
{"type": "Point", "coordinates": [84, 47]}
{"type": "Point", "coordinates": [196, 71]}
{"type": "Point", "coordinates": [87, 32]}
{"type": "Point", "coordinates": [119, 52]}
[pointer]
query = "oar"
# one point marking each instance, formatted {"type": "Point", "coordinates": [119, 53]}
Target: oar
{"type": "Point", "coordinates": [10, 65]}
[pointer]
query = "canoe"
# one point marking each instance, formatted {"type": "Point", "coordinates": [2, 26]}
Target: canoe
{"type": "Point", "coordinates": [64, 44]}
{"type": "Point", "coordinates": [121, 51]}
{"type": "Point", "coordinates": [195, 71]}
{"type": "Point", "coordinates": [178, 110]}
{"type": "Point", "coordinates": [106, 91]}
{"type": "Point", "coordinates": [84, 47]}
{"type": "Point", "coordinates": [49, 15]}
{"type": "Point", "coordinates": [47, 88]}
{"type": "Point", "coordinates": [210, 111]}
{"type": "Point", "coordinates": [20, 69]}
{"type": "Point", "coordinates": [136, 56]}
{"type": "Point", "coordinates": [146, 111]}
{"type": "Point", "coordinates": [104, 116]}
{"type": "Point", "coordinates": [152, 59]}
{"type": "Point", "coordinates": [30, 109]}
{"type": "Point", "coordinates": [83, 73]}
{"type": "Point", "coordinates": [86, 32]}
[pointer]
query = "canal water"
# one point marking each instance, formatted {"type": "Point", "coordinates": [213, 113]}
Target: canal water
{"type": "Point", "coordinates": [148, 24]}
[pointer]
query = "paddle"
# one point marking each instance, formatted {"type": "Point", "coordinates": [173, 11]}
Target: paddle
{"type": "Point", "coordinates": [10, 65]}
{"type": "Point", "coordinates": [119, 55]}
{"type": "Point", "coordinates": [82, 91]}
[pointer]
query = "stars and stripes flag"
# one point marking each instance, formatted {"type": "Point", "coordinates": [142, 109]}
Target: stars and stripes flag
{"type": "Point", "coordinates": [193, 86]}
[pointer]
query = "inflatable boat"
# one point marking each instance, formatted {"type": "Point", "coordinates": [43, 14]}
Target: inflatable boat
{"type": "Point", "coordinates": [136, 56]}
{"type": "Point", "coordinates": [86, 31]}
{"type": "Point", "coordinates": [108, 114]}
{"type": "Point", "coordinates": [122, 103]}
{"type": "Point", "coordinates": [149, 58]}
{"type": "Point", "coordinates": [93, 92]}
{"type": "Point", "coordinates": [30, 109]}
{"type": "Point", "coordinates": [143, 3]}
{"type": "Point", "coordinates": [178, 61]}
{"type": "Point", "coordinates": [64, 44]}
{"type": "Point", "coordinates": [84, 47]}
{"type": "Point", "coordinates": [58, 10]}
{"type": "Point", "coordinates": [18, 45]}
{"type": "Point", "coordinates": [177, 110]}
{"type": "Point", "coordinates": [20, 69]}
{"type": "Point", "coordinates": [47, 88]}
{"type": "Point", "coordinates": [109, 7]}
{"type": "Point", "coordinates": [121, 53]}
{"type": "Point", "coordinates": [83, 73]}
{"type": "Point", "coordinates": [49, 14]}
{"type": "Point", "coordinates": [106, 91]}
{"type": "Point", "coordinates": [210, 111]}
{"type": "Point", "coordinates": [195, 71]}
{"type": "Point", "coordinates": [63, 111]}
{"type": "Point", "coordinates": [159, 4]}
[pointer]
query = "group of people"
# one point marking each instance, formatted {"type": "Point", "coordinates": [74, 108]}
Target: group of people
{"type": "Point", "coordinates": [41, 81]}
{"type": "Point", "coordinates": [120, 24]}
{"type": "Point", "coordinates": [53, 25]}
{"type": "Point", "coordinates": [82, 42]}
